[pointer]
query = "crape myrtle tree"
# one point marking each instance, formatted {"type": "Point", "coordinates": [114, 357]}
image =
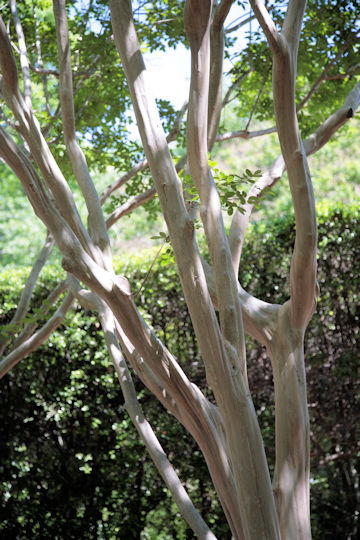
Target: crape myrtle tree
{"type": "Point", "coordinates": [64, 115]}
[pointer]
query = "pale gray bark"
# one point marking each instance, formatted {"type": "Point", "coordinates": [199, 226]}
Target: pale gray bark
{"type": "Point", "coordinates": [219, 371]}
{"type": "Point", "coordinates": [24, 61]}
{"type": "Point", "coordinates": [30, 131]}
{"type": "Point", "coordinates": [179, 494]}
{"type": "Point", "coordinates": [244, 134]}
{"type": "Point", "coordinates": [36, 339]}
{"type": "Point", "coordinates": [147, 434]}
{"type": "Point", "coordinates": [216, 68]}
{"type": "Point", "coordinates": [25, 297]}
{"type": "Point", "coordinates": [291, 479]}
{"type": "Point", "coordinates": [274, 173]}
{"type": "Point", "coordinates": [50, 300]}
{"type": "Point", "coordinates": [133, 202]}
{"type": "Point", "coordinates": [40, 62]}
{"type": "Point", "coordinates": [95, 216]}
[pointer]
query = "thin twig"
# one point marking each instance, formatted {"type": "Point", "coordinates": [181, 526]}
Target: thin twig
{"type": "Point", "coordinates": [151, 267]}
{"type": "Point", "coordinates": [261, 89]}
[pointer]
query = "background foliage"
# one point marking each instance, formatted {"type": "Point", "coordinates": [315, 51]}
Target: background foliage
{"type": "Point", "coordinates": [71, 464]}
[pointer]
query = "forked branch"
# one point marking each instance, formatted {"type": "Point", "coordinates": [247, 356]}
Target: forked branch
{"type": "Point", "coordinates": [303, 267]}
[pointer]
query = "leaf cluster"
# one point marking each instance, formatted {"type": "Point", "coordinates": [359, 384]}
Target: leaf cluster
{"type": "Point", "coordinates": [233, 195]}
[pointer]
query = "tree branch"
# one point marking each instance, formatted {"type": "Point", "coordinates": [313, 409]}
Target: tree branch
{"type": "Point", "coordinates": [29, 285]}
{"type": "Point", "coordinates": [234, 85]}
{"type": "Point", "coordinates": [240, 221]}
{"type": "Point", "coordinates": [96, 219]}
{"type": "Point", "coordinates": [206, 428]}
{"type": "Point", "coordinates": [146, 433]}
{"type": "Point", "coordinates": [230, 388]}
{"type": "Point", "coordinates": [244, 134]}
{"type": "Point", "coordinates": [163, 376]}
{"type": "Point", "coordinates": [259, 317]}
{"type": "Point", "coordinates": [133, 202]}
{"type": "Point", "coordinates": [37, 339]}
{"type": "Point", "coordinates": [292, 24]}
{"type": "Point", "coordinates": [273, 174]}
{"type": "Point", "coordinates": [216, 69]}
{"type": "Point", "coordinates": [325, 131]}
{"type": "Point", "coordinates": [303, 267]}
{"type": "Point", "coordinates": [75, 259]}
{"type": "Point", "coordinates": [267, 25]}
{"type": "Point", "coordinates": [325, 71]}
{"type": "Point", "coordinates": [30, 130]}
{"type": "Point", "coordinates": [24, 61]}
{"type": "Point", "coordinates": [50, 300]}
{"type": "Point", "coordinates": [43, 75]}
{"type": "Point", "coordinates": [168, 185]}
{"type": "Point", "coordinates": [286, 347]}
{"type": "Point", "coordinates": [261, 89]}
{"type": "Point", "coordinates": [144, 163]}
{"type": "Point", "coordinates": [235, 27]}
{"type": "Point", "coordinates": [197, 30]}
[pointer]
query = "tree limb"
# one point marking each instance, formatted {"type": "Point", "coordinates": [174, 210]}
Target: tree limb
{"type": "Point", "coordinates": [259, 317]}
{"type": "Point", "coordinates": [303, 267]}
{"type": "Point", "coordinates": [286, 348]}
{"type": "Point", "coordinates": [43, 75]}
{"type": "Point", "coordinates": [136, 200]}
{"type": "Point", "coordinates": [234, 85]}
{"type": "Point", "coordinates": [50, 300]}
{"type": "Point", "coordinates": [323, 76]}
{"type": "Point", "coordinates": [133, 202]}
{"type": "Point", "coordinates": [244, 134]}
{"type": "Point", "coordinates": [32, 343]}
{"type": "Point", "coordinates": [261, 89]}
{"type": "Point", "coordinates": [146, 433]}
{"type": "Point", "coordinates": [197, 29]}
{"type": "Point", "coordinates": [235, 27]}
{"type": "Point", "coordinates": [30, 130]}
{"type": "Point", "coordinates": [216, 68]}
{"type": "Point", "coordinates": [291, 28]}
{"type": "Point", "coordinates": [29, 285]}
{"type": "Point", "coordinates": [167, 183]}
{"type": "Point", "coordinates": [144, 163]}
{"type": "Point", "coordinates": [267, 25]}
{"type": "Point", "coordinates": [230, 390]}
{"type": "Point", "coordinates": [206, 428]}
{"type": "Point", "coordinates": [24, 61]}
{"type": "Point", "coordinates": [96, 219]}
{"type": "Point", "coordinates": [273, 174]}
{"type": "Point", "coordinates": [163, 376]}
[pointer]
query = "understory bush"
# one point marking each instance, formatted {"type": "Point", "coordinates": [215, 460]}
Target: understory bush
{"type": "Point", "coordinates": [71, 463]}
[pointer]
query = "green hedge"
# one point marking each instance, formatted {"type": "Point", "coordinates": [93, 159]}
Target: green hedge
{"type": "Point", "coordinates": [71, 465]}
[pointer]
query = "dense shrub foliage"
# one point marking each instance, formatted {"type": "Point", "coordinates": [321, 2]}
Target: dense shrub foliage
{"type": "Point", "coordinates": [71, 464]}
